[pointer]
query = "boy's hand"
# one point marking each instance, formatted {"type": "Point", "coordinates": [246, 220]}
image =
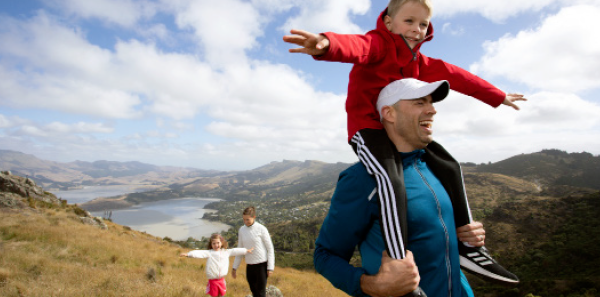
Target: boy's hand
{"type": "Point", "coordinates": [312, 44]}
{"type": "Point", "coordinates": [183, 255]}
{"type": "Point", "coordinates": [511, 98]}
{"type": "Point", "coordinates": [249, 250]}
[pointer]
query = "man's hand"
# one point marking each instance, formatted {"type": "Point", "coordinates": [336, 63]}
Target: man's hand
{"type": "Point", "coordinates": [473, 234]}
{"type": "Point", "coordinates": [311, 44]}
{"type": "Point", "coordinates": [511, 98]}
{"type": "Point", "coordinates": [395, 277]}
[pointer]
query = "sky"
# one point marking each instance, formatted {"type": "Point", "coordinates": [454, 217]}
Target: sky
{"type": "Point", "coordinates": [211, 85]}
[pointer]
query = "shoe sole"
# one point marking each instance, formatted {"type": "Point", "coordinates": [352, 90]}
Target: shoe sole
{"type": "Point", "coordinates": [474, 268]}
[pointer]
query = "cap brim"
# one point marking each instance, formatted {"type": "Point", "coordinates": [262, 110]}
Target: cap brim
{"type": "Point", "coordinates": [441, 92]}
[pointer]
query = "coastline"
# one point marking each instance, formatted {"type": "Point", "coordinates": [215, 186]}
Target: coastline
{"type": "Point", "coordinates": [177, 219]}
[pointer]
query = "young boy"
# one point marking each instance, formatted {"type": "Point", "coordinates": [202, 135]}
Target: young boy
{"type": "Point", "coordinates": [385, 54]}
{"type": "Point", "coordinates": [261, 264]}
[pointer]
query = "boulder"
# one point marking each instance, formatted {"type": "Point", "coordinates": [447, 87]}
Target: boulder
{"type": "Point", "coordinates": [272, 291]}
{"type": "Point", "coordinates": [15, 188]}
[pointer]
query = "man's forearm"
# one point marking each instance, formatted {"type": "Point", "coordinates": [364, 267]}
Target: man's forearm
{"type": "Point", "coordinates": [368, 284]}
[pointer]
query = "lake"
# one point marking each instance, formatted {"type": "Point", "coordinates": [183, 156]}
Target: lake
{"type": "Point", "coordinates": [88, 193]}
{"type": "Point", "coordinates": [177, 219]}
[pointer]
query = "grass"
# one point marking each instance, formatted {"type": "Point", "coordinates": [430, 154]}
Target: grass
{"type": "Point", "coordinates": [49, 252]}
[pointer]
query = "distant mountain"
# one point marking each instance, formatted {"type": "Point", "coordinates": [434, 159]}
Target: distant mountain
{"type": "Point", "coordinates": [545, 169]}
{"type": "Point", "coordinates": [551, 167]}
{"type": "Point", "coordinates": [56, 175]}
{"type": "Point", "coordinates": [276, 180]}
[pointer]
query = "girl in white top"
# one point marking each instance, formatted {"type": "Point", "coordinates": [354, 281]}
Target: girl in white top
{"type": "Point", "coordinates": [217, 264]}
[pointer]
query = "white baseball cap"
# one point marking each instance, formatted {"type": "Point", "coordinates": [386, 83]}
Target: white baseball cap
{"type": "Point", "coordinates": [410, 88]}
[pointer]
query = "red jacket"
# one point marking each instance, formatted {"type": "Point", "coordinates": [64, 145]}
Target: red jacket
{"type": "Point", "coordinates": [380, 57]}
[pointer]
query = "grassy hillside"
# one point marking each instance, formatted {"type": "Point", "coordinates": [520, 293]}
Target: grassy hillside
{"type": "Point", "coordinates": [550, 167]}
{"type": "Point", "coordinates": [50, 252]}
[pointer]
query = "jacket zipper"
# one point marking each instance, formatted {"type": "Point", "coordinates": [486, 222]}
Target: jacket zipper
{"type": "Point", "coordinates": [447, 236]}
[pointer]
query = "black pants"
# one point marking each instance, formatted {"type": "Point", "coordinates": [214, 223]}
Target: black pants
{"type": "Point", "coordinates": [382, 160]}
{"type": "Point", "coordinates": [256, 274]}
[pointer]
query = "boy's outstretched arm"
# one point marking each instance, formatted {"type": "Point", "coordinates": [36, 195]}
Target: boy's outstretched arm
{"type": "Point", "coordinates": [311, 44]}
{"type": "Point", "coordinates": [511, 98]}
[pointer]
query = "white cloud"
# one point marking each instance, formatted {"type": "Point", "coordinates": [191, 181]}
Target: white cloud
{"type": "Point", "coordinates": [124, 13]}
{"type": "Point", "coordinates": [176, 85]}
{"type": "Point", "coordinates": [45, 43]}
{"type": "Point", "coordinates": [500, 11]}
{"type": "Point", "coordinates": [497, 11]}
{"type": "Point", "coordinates": [55, 131]}
{"type": "Point", "coordinates": [330, 15]}
{"type": "Point", "coordinates": [80, 127]}
{"type": "Point", "coordinates": [560, 55]}
{"type": "Point", "coordinates": [224, 28]}
{"type": "Point", "coordinates": [5, 122]}
{"type": "Point", "coordinates": [453, 29]}
{"type": "Point", "coordinates": [476, 132]}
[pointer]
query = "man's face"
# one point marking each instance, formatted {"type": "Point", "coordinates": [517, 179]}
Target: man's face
{"type": "Point", "coordinates": [411, 21]}
{"type": "Point", "coordinates": [248, 220]}
{"type": "Point", "coordinates": [413, 123]}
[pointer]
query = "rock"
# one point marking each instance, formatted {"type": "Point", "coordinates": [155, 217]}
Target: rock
{"type": "Point", "coordinates": [10, 200]}
{"type": "Point", "coordinates": [272, 291]}
{"type": "Point", "coordinates": [15, 188]}
{"type": "Point", "coordinates": [94, 221]}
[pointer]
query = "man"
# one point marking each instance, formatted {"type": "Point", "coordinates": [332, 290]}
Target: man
{"type": "Point", "coordinates": [260, 264]}
{"type": "Point", "coordinates": [431, 186]}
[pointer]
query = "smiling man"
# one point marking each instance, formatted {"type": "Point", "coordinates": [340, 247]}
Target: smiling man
{"type": "Point", "coordinates": [433, 192]}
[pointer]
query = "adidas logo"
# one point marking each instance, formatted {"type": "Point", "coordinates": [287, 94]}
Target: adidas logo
{"type": "Point", "coordinates": [479, 259]}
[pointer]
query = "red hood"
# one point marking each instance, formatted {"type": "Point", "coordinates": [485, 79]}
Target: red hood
{"type": "Point", "coordinates": [381, 27]}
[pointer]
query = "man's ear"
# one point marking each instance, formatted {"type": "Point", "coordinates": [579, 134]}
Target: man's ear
{"type": "Point", "coordinates": [388, 113]}
{"type": "Point", "coordinates": [387, 20]}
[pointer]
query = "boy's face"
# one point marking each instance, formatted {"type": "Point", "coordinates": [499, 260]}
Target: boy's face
{"type": "Point", "coordinates": [411, 21]}
{"type": "Point", "coordinates": [248, 220]}
{"type": "Point", "coordinates": [216, 244]}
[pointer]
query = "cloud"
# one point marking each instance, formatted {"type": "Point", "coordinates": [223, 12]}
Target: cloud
{"type": "Point", "coordinates": [452, 29]}
{"type": "Point", "coordinates": [474, 132]}
{"type": "Point", "coordinates": [48, 65]}
{"type": "Point", "coordinates": [125, 13]}
{"type": "Point", "coordinates": [173, 85]}
{"type": "Point", "coordinates": [331, 15]}
{"type": "Point", "coordinates": [54, 131]}
{"type": "Point", "coordinates": [559, 55]}
{"type": "Point", "coordinates": [497, 11]}
{"type": "Point", "coordinates": [80, 127]}
{"type": "Point", "coordinates": [224, 28]}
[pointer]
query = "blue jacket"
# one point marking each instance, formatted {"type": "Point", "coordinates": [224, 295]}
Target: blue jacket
{"type": "Point", "coordinates": [353, 220]}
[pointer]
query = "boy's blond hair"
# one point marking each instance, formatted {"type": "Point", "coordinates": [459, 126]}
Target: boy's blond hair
{"type": "Point", "coordinates": [395, 5]}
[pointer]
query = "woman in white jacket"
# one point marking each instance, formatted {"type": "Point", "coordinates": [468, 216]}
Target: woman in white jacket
{"type": "Point", "coordinates": [217, 264]}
